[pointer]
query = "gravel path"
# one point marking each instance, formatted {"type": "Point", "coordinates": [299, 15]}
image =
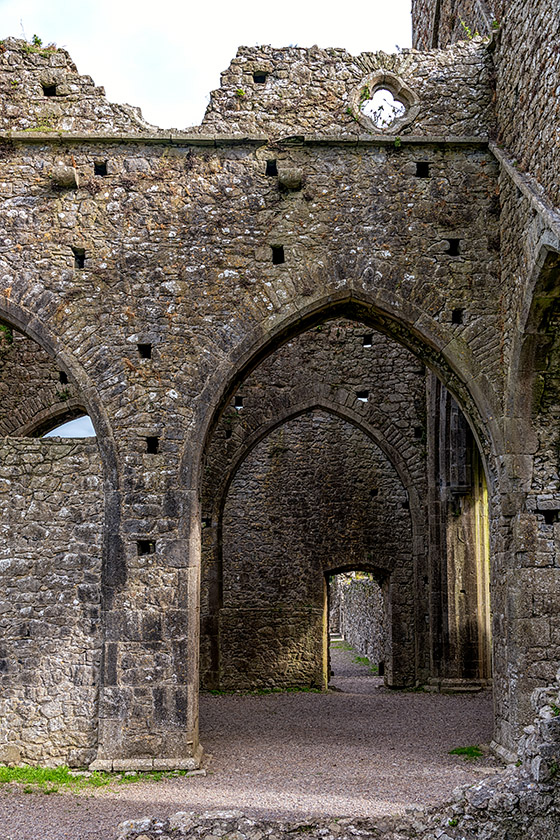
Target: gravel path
{"type": "Point", "coordinates": [360, 750]}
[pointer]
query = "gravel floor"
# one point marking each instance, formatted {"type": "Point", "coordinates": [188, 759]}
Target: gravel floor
{"type": "Point", "coordinates": [360, 750]}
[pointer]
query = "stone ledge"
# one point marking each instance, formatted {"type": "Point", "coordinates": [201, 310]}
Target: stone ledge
{"type": "Point", "coordinates": [221, 140]}
{"type": "Point", "coordinates": [146, 765]}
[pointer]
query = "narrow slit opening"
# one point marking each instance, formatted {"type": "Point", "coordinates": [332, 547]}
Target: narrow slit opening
{"type": "Point", "coordinates": [79, 257]}
{"type": "Point", "coordinates": [152, 445]}
{"type": "Point", "coordinates": [457, 316]}
{"type": "Point", "coordinates": [278, 254]}
{"type": "Point", "coordinates": [146, 547]}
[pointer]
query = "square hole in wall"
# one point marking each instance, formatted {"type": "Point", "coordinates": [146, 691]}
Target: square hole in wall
{"type": "Point", "coordinates": [228, 433]}
{"type": "Point", "coordinates": [362, 396]}
{"type": "Point", "coordinates": [454, 246]}
{"type": "Point", "coordinates": [418, 432]}
{"type": "Point", "coordinates": [406, 505]}
{"type": "Point", "coordinates": [152, 445]}
{"type": "Point", "coordinates": [49, 90]}
{"type": "Point", "coordinates": [259, 78]}
{"type": "Point", "coordinates": [145, 351]}
{"type": "Point", "coordinates": [271, 168]}
{"type": "Point", "coordinates": [100, 167]}
{"type": "Point", "coordinates": [278, 254]}
{"type": "Point", "coordinates": [79, 257]}
{"type": "Point", "coordinates": [63, 378]}
{"type": "Point", "coordinates": [367, 340]}
{"type": "Point", "coordinates": [146, 547]}
{"type": "Point", "coordinates": [422, 169]}
{"type": "Point", "coordinates": [550, 516]}
{"type": "Point", "coordinates": [457, 315]}
{"type": "Point", "coordinates": [206, 521]}
{"type": "Point", "coordinates": [374, 492]}
{"type": "Point", "coordinates": [238, 402]}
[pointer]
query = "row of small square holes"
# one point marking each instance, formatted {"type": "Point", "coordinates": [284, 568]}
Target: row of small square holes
{"type": "Point", "coordinates": [422, 171]}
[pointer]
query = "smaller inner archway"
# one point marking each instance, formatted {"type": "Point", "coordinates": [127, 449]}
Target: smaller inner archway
{"type": "Point", "coordinates": [314, 495]}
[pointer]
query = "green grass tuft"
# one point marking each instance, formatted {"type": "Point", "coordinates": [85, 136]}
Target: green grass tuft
{"type": "Point", "coordinates": [363, 660]}
{"type": "Point", "coordinates": [49, 780]}
{"type": "Point", "coordinates": [468, 752]}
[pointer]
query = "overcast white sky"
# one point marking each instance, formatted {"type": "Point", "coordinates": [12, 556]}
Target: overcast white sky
{"type": "Point", "coordinates": [166, 56]}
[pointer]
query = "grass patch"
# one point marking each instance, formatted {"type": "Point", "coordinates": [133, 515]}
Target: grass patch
{"type": "Point", "coordinates": [468, 752]}
{"type": "Point", "coordinates": [54, 779]}
{"type": "Point", "coordinates": [342, 645]}
{"type": "Point", "coordinates": [363, 660]}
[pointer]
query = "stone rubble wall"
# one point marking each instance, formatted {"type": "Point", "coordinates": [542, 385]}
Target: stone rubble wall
{"type": "Point", "coordinates": [312, 91]}
{"type": "Point", "coordinates": [78, 105]}
{"type": "Point", "coordinates": [32, 396]}
{"type": "Point", "coordinates": [51, 515]}
{"type": "Point", "coordinates": [363, 617]}
{"type": "Point", "coordinates": [520, 803]}
{"type": "Point", "coordinates": [439, 23]}
{"type": "Point", "coordinates": [299, 505]}
{"type": "Point", "coordinates": [528, 91]}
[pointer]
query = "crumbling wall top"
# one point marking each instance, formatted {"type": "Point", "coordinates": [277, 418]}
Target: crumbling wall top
{"type": "Point", "coordinates": [41, 91]}
{"type": "Point", "coordinates": [324, 91]}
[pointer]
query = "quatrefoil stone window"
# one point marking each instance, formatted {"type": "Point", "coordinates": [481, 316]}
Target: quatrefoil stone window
{"type": "Point", "coordinates": [384, 103]}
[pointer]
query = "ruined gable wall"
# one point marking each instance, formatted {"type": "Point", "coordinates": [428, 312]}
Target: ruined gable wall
{"type": "Point", "coordinates": [311, 91]}
{"type": "Point", "coordinates": [71, 102]}
{"type": "Point", "coordinates": [50, 613]}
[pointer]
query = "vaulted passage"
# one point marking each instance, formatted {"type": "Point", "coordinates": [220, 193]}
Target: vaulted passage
{"type": "Point", "coordinates": [340, 451]}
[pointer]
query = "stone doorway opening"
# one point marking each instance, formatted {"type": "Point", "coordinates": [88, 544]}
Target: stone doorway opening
{"type": "Point", "coordinates": [357, 619]}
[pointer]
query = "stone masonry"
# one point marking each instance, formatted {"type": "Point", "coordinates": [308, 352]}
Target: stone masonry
{"type": "Point", "coordinates": [154, 278]}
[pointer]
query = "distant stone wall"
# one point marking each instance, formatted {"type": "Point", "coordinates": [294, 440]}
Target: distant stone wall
{"type": "Point", "coordinates": [51, 515]}
{"type": "Point", "coordinates": [300, 505]}
{"type": "Point", "coordinates": [363, 618]}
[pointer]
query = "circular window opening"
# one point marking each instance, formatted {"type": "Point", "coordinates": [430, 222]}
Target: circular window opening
{"type": "Point", "coordinates": [382, 108]}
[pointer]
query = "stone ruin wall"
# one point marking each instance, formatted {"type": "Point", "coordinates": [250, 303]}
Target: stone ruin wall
{"type": "Point", "coordinates": [361, 616]}
{"type": "Point", "coordinates": [300, 505]}
{"type": "Point", "coordinates": [525, 142]}
{"type": "Point", "coordinates": [51, 520]}
{"type": "Point", "coordinates": [526, 74]}
{"type": "Point", "coordinates": [177, 240]}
